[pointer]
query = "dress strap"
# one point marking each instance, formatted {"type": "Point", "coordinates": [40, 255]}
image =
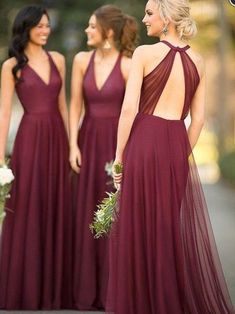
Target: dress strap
{"type": "Point", "coordinates": [91, 61]}
{"type": "Point", "coordinates": [118, 62]}
{"type": "Point", "coordinates": [176, 48]}
{"type": "Point", "coordinates": [119, 57]}
{"type": "Point", "coordinates": [50, 57]}
{"type": "Point", "coordinates": [52, 62]}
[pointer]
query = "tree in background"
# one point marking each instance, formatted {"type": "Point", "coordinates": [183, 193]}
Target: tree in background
{"type": "Point", "coordinates": [216, 39]}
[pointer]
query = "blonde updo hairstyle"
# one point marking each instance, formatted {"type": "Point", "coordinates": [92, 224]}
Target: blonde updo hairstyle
{"type": "Point", "coordinates": [178, 12]}
{"type": "Point", "coordinates": [125, 27]}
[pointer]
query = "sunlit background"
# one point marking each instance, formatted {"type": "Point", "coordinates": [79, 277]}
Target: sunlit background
{"type": "Point", "coordinates": [215, 152]}
{"type": "Point", "coordinates": [216, 41]}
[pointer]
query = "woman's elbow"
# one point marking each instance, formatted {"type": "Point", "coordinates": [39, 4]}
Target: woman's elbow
{"type": "Point", "coordinates": [128, 111]}
{"type": "Point", "coordinates": [5, 115]}
{"type": "Point", "coordinates": [198, 122]}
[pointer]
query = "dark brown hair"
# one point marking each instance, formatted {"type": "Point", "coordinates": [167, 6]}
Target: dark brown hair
{"type": "Point", "coordinates": [124, 26]}
{"type": "Point", "coordinates": [25, 20]}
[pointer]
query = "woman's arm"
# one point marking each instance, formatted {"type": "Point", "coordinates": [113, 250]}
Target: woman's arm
{"type": "Point", "coordinates": [197, 111]}
{"type": "Point", "coordinates": [7, 90]}
{"type": "Point", "coordinates": [130, 103]}
{"type": "Point", "coordinates": [129, 108]}
{"type": "Point", "coordinates": [76, 105]}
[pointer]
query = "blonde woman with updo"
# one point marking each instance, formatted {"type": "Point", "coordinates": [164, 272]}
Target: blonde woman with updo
{"type": "Point", "coordinates": [98, 80]}
{"type": "Point", "coordinates": [163, 254]}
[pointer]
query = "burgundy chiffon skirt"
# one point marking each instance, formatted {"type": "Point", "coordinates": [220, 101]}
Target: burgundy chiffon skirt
{"type": "Point", "coordinates": [163, 258]}
{"type": "Point", "coordinates": [35, 248]}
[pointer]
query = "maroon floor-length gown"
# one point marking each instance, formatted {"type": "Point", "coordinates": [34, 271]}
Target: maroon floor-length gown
{"type": "Point", "coordinates": [163, 258]}
{"type": "Point", "coordinates": [35, 251]}
{"type": "Point", "coordinates": [97, 141]}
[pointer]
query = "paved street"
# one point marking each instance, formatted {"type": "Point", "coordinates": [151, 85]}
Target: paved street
{"type": "Point", "coordinates": [221, 203]}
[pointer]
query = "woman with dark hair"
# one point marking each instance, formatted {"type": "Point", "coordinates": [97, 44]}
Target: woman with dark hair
{"type": "Point", "coordinates": [35, 242]}
{"type": "Point", "coordinates": [98, 79]}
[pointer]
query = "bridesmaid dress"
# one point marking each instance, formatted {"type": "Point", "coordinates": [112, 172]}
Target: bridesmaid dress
{"type": "Point", "coordinates": [97, 142]}
{"type": "Point", "coordinates": [35, 251]}
{"type": "Point", "coordinates": [163, 258]}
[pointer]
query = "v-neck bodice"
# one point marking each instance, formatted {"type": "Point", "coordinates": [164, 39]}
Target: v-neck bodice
{"type": "Point", "coordinates": [107, 100]}
{"type": "Point", "coordinates": [38, 75]}
{"type": "Point", "coordinates": [116, 64]}
{"type": "Point", "coordinates": [35, 94]}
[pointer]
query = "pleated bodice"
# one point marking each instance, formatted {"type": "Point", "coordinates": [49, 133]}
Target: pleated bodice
{"type": "Point", "coordinates": [155, 82]}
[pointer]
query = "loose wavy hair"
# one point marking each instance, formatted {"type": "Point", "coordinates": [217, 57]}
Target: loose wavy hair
{"type": "Point", "coordinates": [25, 20]}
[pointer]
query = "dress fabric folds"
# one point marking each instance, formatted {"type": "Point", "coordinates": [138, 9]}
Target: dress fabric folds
{"type": "Point", "coordinates": [163, 257]}
{"type": "Point", "coordinates": [97, 142]}
{"type": "Point", "coordinates": [35, 250]}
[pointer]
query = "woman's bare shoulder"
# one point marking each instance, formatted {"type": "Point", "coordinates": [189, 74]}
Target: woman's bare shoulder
{"type": "Point", "coordinates": [9, 64]}
{"type": "Point", "coordinates": [126, 62]}
{"type": "Point", "coordinates": [146, 52]}
{"type": "Point", "coordinates": [58, 59]}
{"type": "Point", "coordinates": [82, 59]}
{"type": "Point", "coordinates": [142, 50]}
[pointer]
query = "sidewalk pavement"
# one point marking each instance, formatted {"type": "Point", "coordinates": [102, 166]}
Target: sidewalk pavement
{"type": "Point", "coordinates": [220, 199]}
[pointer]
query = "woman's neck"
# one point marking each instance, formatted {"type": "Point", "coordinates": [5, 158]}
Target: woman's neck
{"type": "Point", "coordinates": [172, 36]}
{"type": "Point", "coordinates": [103, 53]}
{"type": "Point", "coordinates": [173, 39]}
{"type": "Point", "coordinates": [34, 51]}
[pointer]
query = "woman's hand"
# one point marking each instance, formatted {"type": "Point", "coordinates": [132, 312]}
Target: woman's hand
{"type": "Point", "coordinates": [2, 162]}
{"type": "Point", "coordinates": [117, 171]}
{"type": "Point", "coordinates": [75, 158]}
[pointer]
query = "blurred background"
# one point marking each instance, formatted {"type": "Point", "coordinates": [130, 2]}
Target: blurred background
{"type": "Point", "coordinates": [215, 40]}
{"type": "Point", "coordinates": [215, 152]}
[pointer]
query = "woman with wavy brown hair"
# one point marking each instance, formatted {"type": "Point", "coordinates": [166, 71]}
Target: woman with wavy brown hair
{"type": "Point", "coordinates": [98, 81]}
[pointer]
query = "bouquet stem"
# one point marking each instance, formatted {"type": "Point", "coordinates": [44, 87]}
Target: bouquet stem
{"type": "Point", "coordinates": [106, 212]}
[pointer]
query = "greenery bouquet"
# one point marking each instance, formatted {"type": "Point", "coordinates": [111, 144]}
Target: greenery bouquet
{"type": "Point", "coordinates": [107, 210]}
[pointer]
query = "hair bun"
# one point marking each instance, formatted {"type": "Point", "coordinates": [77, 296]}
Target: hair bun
{"type": "Point", "coordinates": [186, 28]}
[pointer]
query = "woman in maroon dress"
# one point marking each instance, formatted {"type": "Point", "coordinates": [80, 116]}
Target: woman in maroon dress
{"type": "Point", "coordinates": [98, 80]}
{"type": "Point", "coordinates": [35, 256]}
{"type": "Point", "coordinates": [163, 254]}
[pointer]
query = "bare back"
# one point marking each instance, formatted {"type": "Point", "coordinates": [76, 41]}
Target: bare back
{"type": "Point", "coordinates": [169, 83]}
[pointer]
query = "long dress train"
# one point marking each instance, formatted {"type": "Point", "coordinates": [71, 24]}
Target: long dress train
{"type": "Point", "coordinates": [163, 258]}
{"type": "Point", "coordinates": [35, 250]}
{"type": "Point", "coordinates": [97, 141]}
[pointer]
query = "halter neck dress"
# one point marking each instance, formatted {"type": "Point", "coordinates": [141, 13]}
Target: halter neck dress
{"type": "Point", "coordinates": [97, 142]}
{"type": "Point", "coordinates": [163, 258]}
{"type": "Point", "coordinates": [35, 250]}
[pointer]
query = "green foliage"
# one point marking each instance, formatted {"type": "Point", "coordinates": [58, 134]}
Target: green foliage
{"type": "Point", "coordinates": [107, 211]}
{"type": "Point", "coordinates": [227, 166]}
{"type": "Point", "coordinates": [118, 168]}
{"type": "Point", "coordinates": [4, 194]}
{"type": "Point", "coordinates": [105, 215]}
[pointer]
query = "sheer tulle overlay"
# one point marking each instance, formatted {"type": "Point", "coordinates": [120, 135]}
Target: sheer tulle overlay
{"type": "Point", "coordinates": [163, 257]}
{"type": "Point", "coordinates": [35, 252]}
